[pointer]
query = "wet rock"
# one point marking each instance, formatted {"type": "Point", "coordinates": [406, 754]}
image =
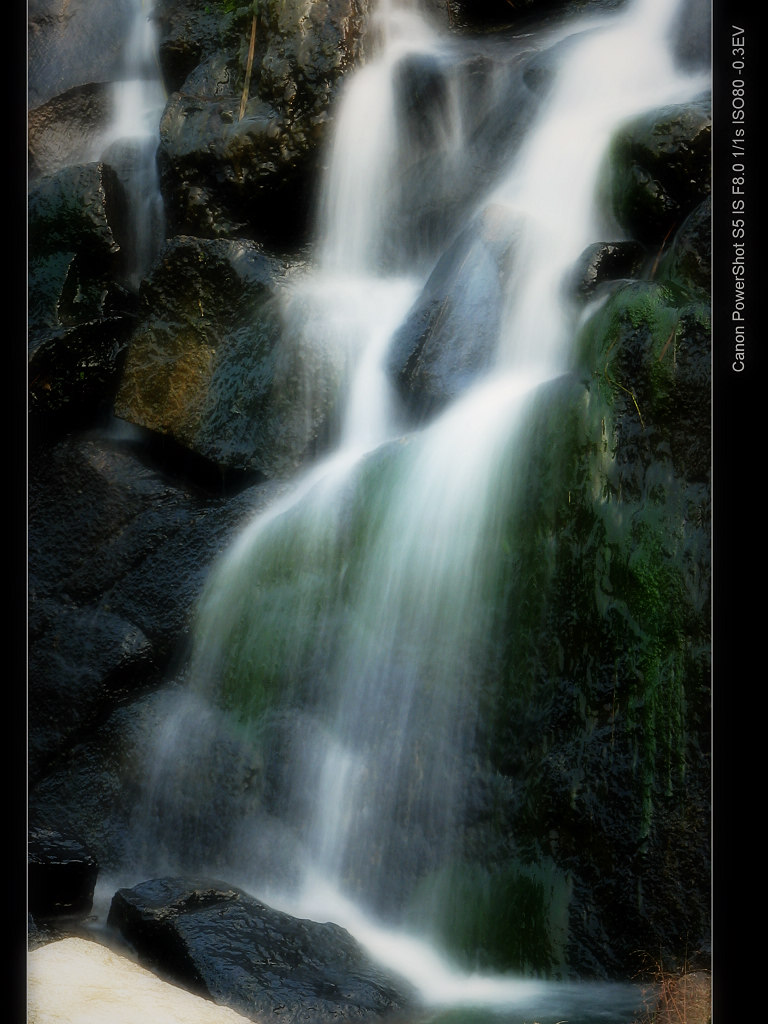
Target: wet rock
{"type": "Point", "coordinates": [217, 940]}
{"type": "Point", "coordinates": [689, 262]}
{"type": "Point", "coordinates": [660, 169]}
{"type": "Point", "coordinates": [104, 787]}
{"type": "Point", "coordinates": [227, 175]}
{"type": "Point", "coordinates": [449, 337]}
{"type": "Point", "coordinates": [189, 32]}
{"type": "Point", "coordinates": [67, 126]}
{"type": "Point", "coordinates": [607, 261]}
{"type": "Point", "coordinates": [79, 312]}
{"type": "Point", "coordinates": [81, 664]}
{"type": "Point", "coordinates": [654, 354]}
{"type": "Point", "coordinates": [112, 600]}
{"type": "Point", "coordinates": [75, 50]}
{"type": "Point", "coordinates": [62, 875]}
{"type": "Point", "coordinates": [79, 209]}
{"type": "Point", "coordinates": [211, 367]}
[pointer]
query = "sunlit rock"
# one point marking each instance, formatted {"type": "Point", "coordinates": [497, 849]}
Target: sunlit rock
{"type": "Point", "coordinates": [76, 979]}
{"type": "Point", "coordinates": [211, 366]}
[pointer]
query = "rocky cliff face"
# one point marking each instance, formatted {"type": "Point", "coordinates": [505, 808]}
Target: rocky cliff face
{"type": "Point", "coordinates": [595, 744]}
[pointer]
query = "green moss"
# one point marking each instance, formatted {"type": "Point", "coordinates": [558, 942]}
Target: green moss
{"type": "Point", "coordinates": [510, 917]}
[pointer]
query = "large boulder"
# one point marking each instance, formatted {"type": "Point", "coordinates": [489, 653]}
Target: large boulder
{"type": "Point", "coordinates": [449, 337]}
{"type": "Point", "coordinates": [104, 788]}
{"type": "Point", "coordinates": [604, 262]}
{"type": "Point", "coordinates": [110, 601]}
{"type": "Point", "coordinates": [61, 877]}
{"type": "Point", "coordinates": [212, 367]}
{"type": "Point", "coordinates": [217, 940]}
{"type": "Point", "coordinates": [227, 171]}
{"type": "Point", "coordinates": [75, 52]}
{"type": "Point", "coordinates": [79, 314]}
{"type": "Point", "coordinates": [688, 262]}
{"type": "Point", "coordinates": [660, 168]}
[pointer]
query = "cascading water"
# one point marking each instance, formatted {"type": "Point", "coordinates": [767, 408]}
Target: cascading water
{"type": "Point", "coordinates": [346, 634]}
{"type": "Point", "coordinates": [131, 142]}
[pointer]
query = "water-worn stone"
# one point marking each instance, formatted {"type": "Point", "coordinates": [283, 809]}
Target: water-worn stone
{"type": "Point", "coordinates": [253, 176]}
{"type": "Point", "coordinates": [688, 264]}
{"type": "Point", "coordinates": [449, 336]}
{"type": "Point", "coordinates": [62, 875]}
{"type": "Point", "coordinates": [61, 131]}
{"type": "Point", "coordinates": [75, 51]}
{"type": "Point", "coordinates": [606, 261]}
{"type": "Point", "coordinates": [79, 312]}
{"type": "Point", "coordinates": [219, 941]}
{"type": "Point", "coordinates": [78, 209]}
{"type": "Point", "coordinates": [212, 367]}
{"type": "Point", "coordinates": [82, 663]}
{"type": "Point", "coordinates": [102, 788]}
{"type": "Point", "coordinates": [660, 168]}
{"type": "Point", "coordinates": [110, 601]}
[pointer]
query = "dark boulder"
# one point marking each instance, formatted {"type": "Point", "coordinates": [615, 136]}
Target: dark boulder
{"type": "Point", "coordinates": [75, 51]}
{"type": "Point", "coordinates": [105, 786]}
{"type": "Point", "coordinates": [449, 337]}
{"type": "Point", "coordinates": [79, 313]}
{"type": "Point", "coordinates": [232, 172]}
{"type": "Point", "coordinates": [688, 264]}
{"type": "Point", "coordinates": [82, 662]}
{"type": "Point", "coordinates": [189, 32]}
{"type": "Point", "coordinates": [112, 600]}
{"type": "Point", "coordinates": [62, 874]}
{"type": "Point", "coordinates": [211, 366]}
{"type": "Point", "coordinates": [490, 14]}
{"type": "Point", "coordinates": [67, 126]}
{"type": "Point", "coordinates": [655, 355]}
{"type": "Point", "coordinates": [660, 169]}
{"type": "Point", "coordinates": [217, 940]}
{"type": "Point", "coordinates": [606, 261]}
{"type": "Point", "coordinates": [79, 209]}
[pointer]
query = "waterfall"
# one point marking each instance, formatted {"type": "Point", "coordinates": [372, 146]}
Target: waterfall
{"type": "Point", "coordinates": [346, 632]}
{"type": "Point", "coordinates": [130, 145]}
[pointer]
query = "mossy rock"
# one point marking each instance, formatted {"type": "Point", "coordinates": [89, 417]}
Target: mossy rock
{"type": "Point", "coordinates": [660, 169]}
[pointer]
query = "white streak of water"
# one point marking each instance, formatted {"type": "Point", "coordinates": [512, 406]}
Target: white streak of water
{"type": "Point", "coordinates": [138, 99]}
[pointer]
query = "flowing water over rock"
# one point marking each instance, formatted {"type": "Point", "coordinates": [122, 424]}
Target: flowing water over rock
{"type": "Point", "coordinates": [138, 98]}
{"type": "Point", "coordinates": [344, 642]}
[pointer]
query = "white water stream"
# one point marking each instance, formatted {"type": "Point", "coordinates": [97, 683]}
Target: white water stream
{"type": "Point", "coordinates": [138, 99]}
{"type": "Point", "coordinates": [400, 648]}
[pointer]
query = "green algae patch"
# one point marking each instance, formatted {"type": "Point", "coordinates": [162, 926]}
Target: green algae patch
{"type": "Point", "coordinates": [511, 917]}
